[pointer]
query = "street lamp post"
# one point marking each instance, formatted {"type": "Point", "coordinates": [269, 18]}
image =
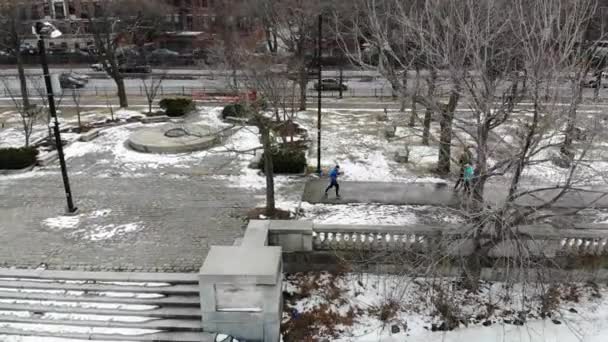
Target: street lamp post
{"type": "Point", "coordinates": [42, 29]}
{"type": "Point", "coordinates": [319, 54]}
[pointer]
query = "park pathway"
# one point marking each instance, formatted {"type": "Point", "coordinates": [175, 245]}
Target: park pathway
{"type": "Point", "coordinates": [441, 194]}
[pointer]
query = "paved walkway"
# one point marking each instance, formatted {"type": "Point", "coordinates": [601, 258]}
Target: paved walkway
{"type": "Point", "coordinates": [434, 194]}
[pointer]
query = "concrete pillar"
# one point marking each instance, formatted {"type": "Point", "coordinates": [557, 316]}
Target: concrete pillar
{"type": "Point", "coordinates": [241, 292]}
{"type": "Point", "coordinates": [292, 236]}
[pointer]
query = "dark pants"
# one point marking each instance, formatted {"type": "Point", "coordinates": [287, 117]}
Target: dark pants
{"type": "Point", "coordinates": [467, 186]}
{"type": "Point", "coordinates": [333, 183]}
{"type": "Point", "coordinates": [460, 179]}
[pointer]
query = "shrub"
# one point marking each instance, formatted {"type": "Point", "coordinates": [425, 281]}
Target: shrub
{"type": "Point", "coordinates": [236, 110]}
{"type": "Point", "coordinates": [287, 160]}
{"type": "Point", "coordinates": [17, 158]}
{"type": "Point", "coordinates": [177, 106]}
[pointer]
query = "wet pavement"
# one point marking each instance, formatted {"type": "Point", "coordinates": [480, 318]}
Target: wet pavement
{"type": "Point", "coordinates": [440, 194]}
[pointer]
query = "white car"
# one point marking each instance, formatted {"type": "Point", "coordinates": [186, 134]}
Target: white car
{"type": "Point", "coordinates": [97, 67]}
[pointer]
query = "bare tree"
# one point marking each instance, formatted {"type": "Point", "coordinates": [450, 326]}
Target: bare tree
{"type": "Point", "coordinates": [151, 87]}
{"type": "Point", "coordinates": [291, 28]}
{"type": "Point", "coordinates": [77, 98]}
{"type": "Point", "coordinates": [114, 25]}
{"type": "Point", "coordinates": [397, 35]}
{"type": "Point", "coordinates": [28, 113]}
{"type": "Point", "coordinates": [12, 33]}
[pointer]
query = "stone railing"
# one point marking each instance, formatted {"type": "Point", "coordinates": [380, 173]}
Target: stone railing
{"type": "Point", "coordinates": [241, 284]}
{"type": "Point", "coordinates": [298, 236]}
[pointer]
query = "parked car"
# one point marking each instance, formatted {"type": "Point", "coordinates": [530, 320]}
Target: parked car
{"type": "Point", "coordinates": [591, 80]}
{"type": "Point", "coordinates": [163, 53]}
{"type": "Point", "coordinates": [97, 67]}
{"type": "Point", "coordinates": [135, 69]}
{"type": "Point", "coordinates": [224, 338]}
{"type": "Point", "coordinates": [28, 49]}
{"type": "Point", "coordinates": [330, 84]}
{"type": "Point", "coordinates": [72, 81]}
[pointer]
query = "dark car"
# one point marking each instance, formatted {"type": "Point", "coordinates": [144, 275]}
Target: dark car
{"type": "Point", "coordinates": [330, 84]}
{"type": "Point", "coordinates": [72, 81]}
{"type": "Point", "coordinates": [134, 69]}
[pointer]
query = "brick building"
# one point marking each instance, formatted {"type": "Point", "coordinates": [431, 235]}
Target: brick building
{"type": "Point", "coordinates": [190, 23]}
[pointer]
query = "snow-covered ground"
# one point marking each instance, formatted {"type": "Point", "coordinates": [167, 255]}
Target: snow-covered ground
{"type": "Point", "coordinates": [366, 307]}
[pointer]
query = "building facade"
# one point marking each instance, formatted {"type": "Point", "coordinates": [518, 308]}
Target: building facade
{"type": "Point", "coordinates": [190, 23]}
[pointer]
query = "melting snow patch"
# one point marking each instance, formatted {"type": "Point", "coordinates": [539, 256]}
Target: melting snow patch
{"type": "Point", "coordinates": [105, 232]}
{"type": "Point", "coordinates": [62, 222]}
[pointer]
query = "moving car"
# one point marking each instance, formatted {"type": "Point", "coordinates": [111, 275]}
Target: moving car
{"type": "Point", "coordinates": [330, 84]}
{"type": "Point", "coordinates": [135, 69]}
{"type": "Point", "coordinates": [163, 54]}
{"type": "Point", "coordinates": [72, 81]}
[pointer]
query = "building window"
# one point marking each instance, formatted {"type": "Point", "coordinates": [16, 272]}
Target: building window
{"type": "Point", "coordinates": [46, 10]}
{"type": "Point", "coordinates": [71, 8]}
{"type": "Point", "coordinates": [59, 11]}
{"type": "Point", "coordinates": [35, 13]}
{"type": "Point", "coordinates": [77, 46]}
{"type": "Point", "coordinates": [604, 21]}
{"type": "Point", "coordinates": [189, 22]}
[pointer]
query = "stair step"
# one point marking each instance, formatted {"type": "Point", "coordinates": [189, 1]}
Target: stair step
{"type": "Point", "coordinates": [193, 325]}
{"type": "Point", "coordinates": [174, 278]}
{"type": "Point", "coordinates": [156, 337]}
{"type": "Point", "coordinates": [170, 289]}
{"type": "Point", "coordinates": [162, 312]}
{"type": "Point", "coordinates": [186, 301]}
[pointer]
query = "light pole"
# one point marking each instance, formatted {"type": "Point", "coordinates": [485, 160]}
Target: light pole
{"type": "Point", "coordinates": [42, 29]}
{"type": "Point", "coordinates": [319, 88]}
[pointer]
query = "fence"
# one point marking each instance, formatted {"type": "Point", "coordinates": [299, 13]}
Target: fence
{"type": "Point", "coordinates": [197, 91]}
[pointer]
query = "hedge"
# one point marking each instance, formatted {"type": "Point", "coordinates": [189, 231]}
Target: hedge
{"type": "Point", "coordinates": [17, 158]}
{"type": "Point", "coordinates": [236, 110]}
{"type": "Point", "coordinates": [287, 160]}
{"type": "Point", "coordinates": [177, 106]}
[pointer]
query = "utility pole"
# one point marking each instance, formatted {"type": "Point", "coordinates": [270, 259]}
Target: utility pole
{"type": "Point", "coordinates": [319, 89]}
{"type": "Point", "coordinates": [41, 29]}
{"type": "Point", "coordinates": [341, 80]}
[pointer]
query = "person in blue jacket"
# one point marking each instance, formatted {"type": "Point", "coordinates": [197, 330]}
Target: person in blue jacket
{"type": "Point", "coordinates": [468, 174]}
{"type": "Point", "coordinates": [333, 181]}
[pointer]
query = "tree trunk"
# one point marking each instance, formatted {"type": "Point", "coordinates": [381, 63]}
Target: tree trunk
{"type": "Point", "coordinates": [403, 92]}
{"type": "Point", "coordinates": [428, 115]}
{"type": "Point", "coordinates": [598, 85]}
{"type": "Point", "coordinates": [570, 126]}
{"type": "Point", "coordinates": [414, 115]}
{"type": "Point", "coordinates": [303, 82]}
{"type": "Point", "coordinates": [445, 139]}
{"type": "Point", "coordinates": [122, 92]}
{"type": "Point", "coordinates": [22, 82]}
{"type": "Point", "coordinates": [268, 170]}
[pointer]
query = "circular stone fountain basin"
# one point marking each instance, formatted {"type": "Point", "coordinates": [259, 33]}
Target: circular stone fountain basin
{"type": "Point", "coordinates": [173, 138]}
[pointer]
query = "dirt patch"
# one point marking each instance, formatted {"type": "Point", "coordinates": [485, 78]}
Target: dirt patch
{"type": "Point", "coordinates": [262, 214]}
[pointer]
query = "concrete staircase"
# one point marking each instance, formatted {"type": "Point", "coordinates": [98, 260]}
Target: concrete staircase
{"type": "Point", "coordinates": [107, 306]}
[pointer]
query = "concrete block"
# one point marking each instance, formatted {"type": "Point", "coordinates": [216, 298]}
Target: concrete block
{"type": "Point", "coordinates": [242, 265]}
{"type": "Point", "coordinates": [256, 233]}
{"type": "Point", "coordinates": [292, 236]}
{"type": "Point", "coordinates": [90, 135]}
{"type": "Point", "coordinates": [155, 119]}
{"type": "Point", "coordinates": [47, 158]}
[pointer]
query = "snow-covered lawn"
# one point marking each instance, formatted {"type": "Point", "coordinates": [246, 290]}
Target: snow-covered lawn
{"type": "Point", "coordinates": [366, 307]}
{"type": "Point", "coordinates": [377, 214]}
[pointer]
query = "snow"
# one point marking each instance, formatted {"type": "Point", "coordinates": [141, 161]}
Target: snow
{"type": "Point", "coordinates": [62, 222]}
{"type": "Point", "coordinates": [84, 305]}
{"type": "Point", "coordinates": [89, 230]}
{"type": "Point", "coordinates": [75, 329]}
{"type": "Point", "coordinates": [105, 232]}
{"type": "Point", "coordinates": [12, 338]}
{"type": "Point", "coordinates": [375, 214]}
{"type": "Point", "coordinates": [583, 317]}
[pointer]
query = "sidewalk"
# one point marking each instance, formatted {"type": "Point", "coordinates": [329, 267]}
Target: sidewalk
{"type": "Point", "coordinates": [436, 194]}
